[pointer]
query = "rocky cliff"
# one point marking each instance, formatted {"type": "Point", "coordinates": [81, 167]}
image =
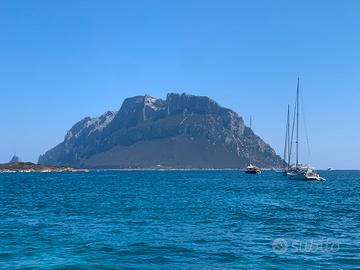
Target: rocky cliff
{"type": "Point", "coordinates": [183, 131]}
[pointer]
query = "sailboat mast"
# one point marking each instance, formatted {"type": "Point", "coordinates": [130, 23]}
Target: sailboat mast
{"type": "Point", "coordinates": [288, 136]}
{"type": "Point", "coordinates": [291, 138]}
{"type": "Point", "coordinates": [287, 141]}
{"type": "Point", "coordinates": [297, 123]}
{"type": "Point", "coordinates": [285, 148]}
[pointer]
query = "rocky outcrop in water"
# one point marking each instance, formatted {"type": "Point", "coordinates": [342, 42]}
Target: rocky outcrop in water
{"type": "Point", "coordinates": [31, 167]}
{"type": "Point", "coordinates": [183, 131]}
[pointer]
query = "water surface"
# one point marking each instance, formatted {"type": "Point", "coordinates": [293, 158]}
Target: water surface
{"type": "Point", "coordinates": [178, 220]}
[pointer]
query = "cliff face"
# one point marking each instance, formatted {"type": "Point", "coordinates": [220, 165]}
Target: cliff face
{"type": "Point", "coordinates": [183, 131]}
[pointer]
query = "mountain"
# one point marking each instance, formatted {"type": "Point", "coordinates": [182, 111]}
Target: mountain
{"type": "Point", "coordinates": [183, 131]}
{"type": "Point", "coordinates": [14, 159]}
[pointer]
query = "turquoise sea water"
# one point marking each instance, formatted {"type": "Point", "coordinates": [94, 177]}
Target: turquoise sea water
{"type": "Point", "coordinates": [179, 220]}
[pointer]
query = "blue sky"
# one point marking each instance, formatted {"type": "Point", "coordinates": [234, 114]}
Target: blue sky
{"type": "Point", "coordinates": [63, 60]}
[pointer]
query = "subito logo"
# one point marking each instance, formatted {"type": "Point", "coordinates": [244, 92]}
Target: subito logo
{"type": "Point", "coordinates": [280, 246]}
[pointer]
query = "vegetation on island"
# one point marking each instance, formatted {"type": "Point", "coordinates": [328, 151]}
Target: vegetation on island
{"type": "Point", "coordinates": [31, 167]}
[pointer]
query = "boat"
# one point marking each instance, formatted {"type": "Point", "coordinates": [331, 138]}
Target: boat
{"type": "Point", "coordinates": [304, 172]}
{"type": "Point", "coordinates": [299, 171]}
{"type": "Point", "coordinates": [252, 169]}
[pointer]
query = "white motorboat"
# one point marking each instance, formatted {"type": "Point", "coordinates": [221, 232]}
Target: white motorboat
{"type": "Point", "coordinates": [252, 169]}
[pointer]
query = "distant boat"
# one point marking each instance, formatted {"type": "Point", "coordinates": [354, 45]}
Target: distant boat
{"type": "Point", "coordinates": [298, 171]}
{"type": "Point", "coordinates": [252, 169]}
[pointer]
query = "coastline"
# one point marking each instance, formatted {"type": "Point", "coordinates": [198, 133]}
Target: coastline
{"type": "Point", "coordinates": [28, 167]}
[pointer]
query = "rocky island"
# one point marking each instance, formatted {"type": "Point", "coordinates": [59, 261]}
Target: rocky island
{"type": "Point", "coordinates": [31, 167]}
{"type": "Point", "coordinates": [183, 131]}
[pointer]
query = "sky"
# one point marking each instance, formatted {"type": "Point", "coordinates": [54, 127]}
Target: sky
{"type": "Point", "coordinates": [61, 61]}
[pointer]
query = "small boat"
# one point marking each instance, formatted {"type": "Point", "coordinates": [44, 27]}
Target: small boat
{"type": "Point", "coordinates": [252, 169]}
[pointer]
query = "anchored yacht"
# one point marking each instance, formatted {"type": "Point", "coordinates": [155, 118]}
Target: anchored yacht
{"type": "Point", "coordinates": [298, 171]}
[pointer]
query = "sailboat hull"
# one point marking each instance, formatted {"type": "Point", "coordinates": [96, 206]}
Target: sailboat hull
{"type": "Point", "coordinates": [294, 176]}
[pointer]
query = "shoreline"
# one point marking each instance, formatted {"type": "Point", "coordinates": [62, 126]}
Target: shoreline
{"type": "Point", "coordinates": [149, 170]}
{"type": "Point", "coordinates": [28, 167]}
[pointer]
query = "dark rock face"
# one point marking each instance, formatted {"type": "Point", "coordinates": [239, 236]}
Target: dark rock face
{"type": "Point", "coordinates": [183, 131]}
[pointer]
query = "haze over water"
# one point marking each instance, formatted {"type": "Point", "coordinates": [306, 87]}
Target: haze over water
{"type": "Point", "coordinates": [178, 220]}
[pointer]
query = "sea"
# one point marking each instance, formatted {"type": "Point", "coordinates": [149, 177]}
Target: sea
{"type": "Point", "coordinates": [179, 220]}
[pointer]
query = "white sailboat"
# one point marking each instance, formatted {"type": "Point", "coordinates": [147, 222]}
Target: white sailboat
{"type": "Point", "coordinates": [299, 171]}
